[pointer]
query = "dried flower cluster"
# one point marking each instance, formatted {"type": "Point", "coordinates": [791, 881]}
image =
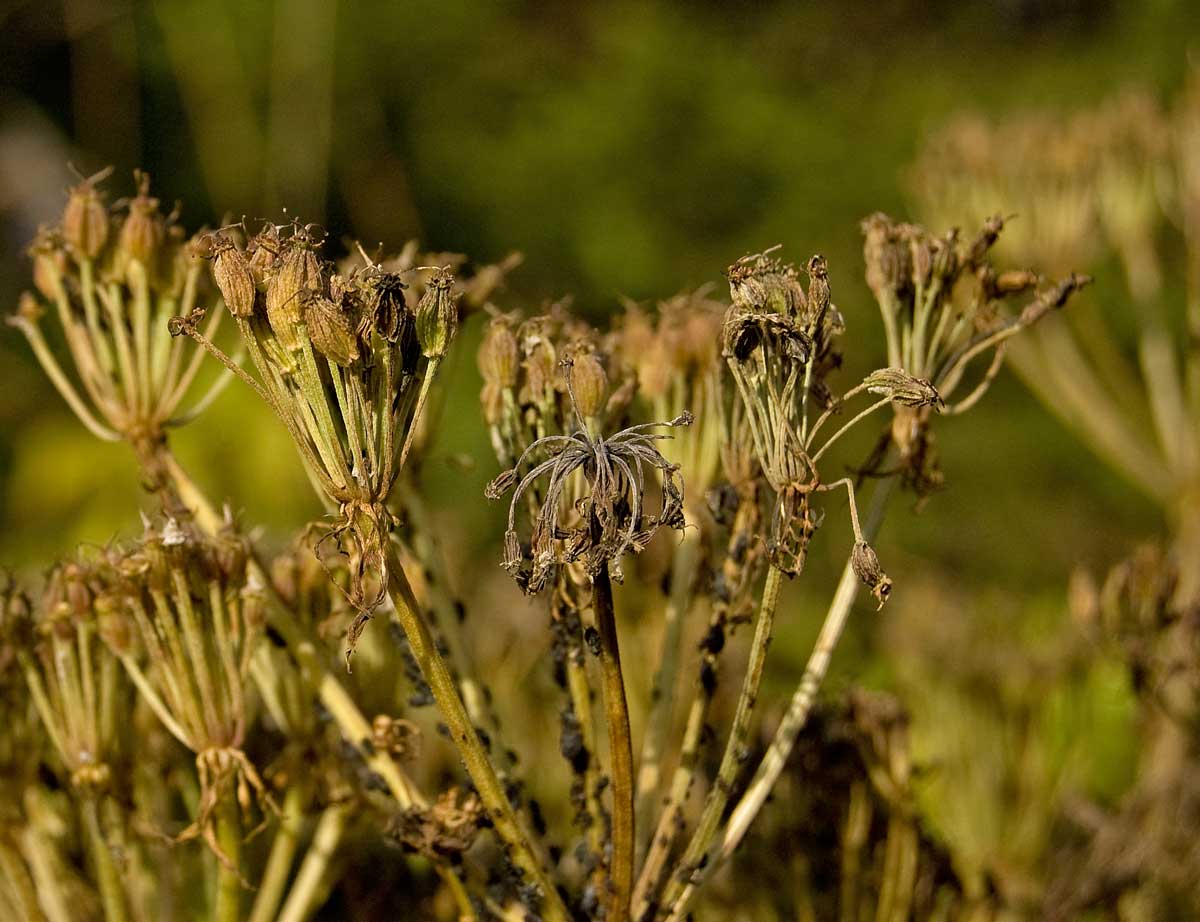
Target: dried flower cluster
{"type": "Point", "coordinates": [111, 276]}
{"type": "Point", "coordinates": [208, 645]}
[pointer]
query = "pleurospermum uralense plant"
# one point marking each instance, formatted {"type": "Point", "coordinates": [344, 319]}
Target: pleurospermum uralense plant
{"type": "Point", "coordinates": [711, 421]}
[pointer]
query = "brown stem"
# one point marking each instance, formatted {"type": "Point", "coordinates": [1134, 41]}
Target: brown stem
{"type": "Point", "coordinates": [620, 746]}
{"type": "Point", "coordinates": [466, 739]}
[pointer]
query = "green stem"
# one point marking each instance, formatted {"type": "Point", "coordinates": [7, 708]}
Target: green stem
{"type": "Point", "coordinates": [112, 893]}
{"type": "Point", "coordinates": [279, 862]}
{"type": "Point", "coordinates": [479, 766]}
{"type": "Point", "coordinates": [20, 885]}
{"type": "Point", "coordinates": [662, 695]}
{"type": "Point", "coordinates": [801, 704]}
{"type": "Point", "coordinates": [309, 889]}
{"type": "Point", "coordinates": [228, 906]}
{"type": "Point", "coordinates": [620, 746]}
{"type": "Point", "coordinates": [695, 857]}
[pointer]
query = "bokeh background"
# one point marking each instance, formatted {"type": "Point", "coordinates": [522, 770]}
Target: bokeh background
{"type": "Point", "coordinates": [626, 149]}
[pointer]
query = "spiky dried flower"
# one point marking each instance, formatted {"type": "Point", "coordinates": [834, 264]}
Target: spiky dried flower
{"type": "Point", "coordinates": [608, 518]}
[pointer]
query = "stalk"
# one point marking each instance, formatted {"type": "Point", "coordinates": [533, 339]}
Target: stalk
{"type": "Point", "coordinates": [802, 700]}
{"type": "Point", "coordinates": [662, 696]}
{"type": "Point", "coordinates": [229, 879]}
{"type": "Point", "coordinates": [307, 891]}
{"type": "Point", "coordinates": [479, 766]}
{"type": "Point", "coordinates": [694, 857]}
{"type": "Point", "coordinates": [279, 862]}
{"type": "Point", "coordinates": [620, 747]}
{"type": "Point", "coordinates": [20, 885]}
{"type": "Point", "coordinates": [111, 892]}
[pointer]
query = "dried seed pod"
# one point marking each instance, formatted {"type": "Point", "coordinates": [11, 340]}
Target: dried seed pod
{"type": "Point", "coordinates": [143, 230]}
{"type": "Point", "coordinates": [231, 271]}
{"type": "Point", "coordinates": [589, 383]}
{"type": "Point", "coordinates": [85, 218]}
{"type": "Point", "coordinates": [762, 284]}
{"type": "Point", "coordinates": [437, 314]}
{"type": "Point", "coordinates": [497, 357]}
{"type": "Point", "coordinates": [298, 272]}
{"type": "Point", "coordinates": [386, 306]}
{"type": "Point", "coordinates": [866, 567]}
{"type": "Point", "coordinates": [329, 328]}
{"type": "Point", "coordinates": [263, 253]}
{"type": "Point", "coordinates": [887, 262]}
{"type": "Point", "coordinates": [902, 388]}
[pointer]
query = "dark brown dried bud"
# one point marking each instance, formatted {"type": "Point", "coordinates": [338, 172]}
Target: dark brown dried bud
{"type": "Point", "coordinates": [759, 283]}
{"type": "Point", "coordinates": [85, 219]}
{"type": "Point", "coordinates": [589, 384]}
{"type": "Point", "coordinates": [437, 314]}
{"type": "Point", "coordinates": [330, 329]}
{"type": "Point", "coordinates": [902, 388]}
{"type": "Point", "coordinates": [385, 305]}
{"type": "Point", "coordinates": [497, 357]}
{"type": "Point", "coordinates": [143, 230]}
{"type": "Point", "coordinates": [984, 240]}
{"type": "Point", "coordinates": [865, 564]}
{"type": "Point", "coordinates": [298, 273]}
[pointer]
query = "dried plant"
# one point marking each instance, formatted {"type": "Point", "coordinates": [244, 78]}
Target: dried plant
{"type": "Point", "coordinates": [234, 658]}
{"type": "Point", "coordinates": [1116, 182]}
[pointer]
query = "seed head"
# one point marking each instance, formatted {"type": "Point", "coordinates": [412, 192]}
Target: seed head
{"type": "Point", "coordinates": [298, 273]}
{"type": "Point", "coordinates": [866, 567]}
{"type": "Point", "coordinates": [85, 218]}
{"type": "Point", "coordinates": [497, 357]}
{"type": "Point", "coordinates": [902, 388]}
{"type": "Point", "coordinates": [330, 328]}
{"type": "Point", "coordinates": [143, 230]}
{"type": "Point", "coordinates": [437, 314]}
{"type": "Point", "coordinates": [588, 383]}
{"type": "Point", "coordinates": [231, 271]}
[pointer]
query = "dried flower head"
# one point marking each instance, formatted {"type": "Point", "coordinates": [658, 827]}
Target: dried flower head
{"type": "Point", "coordinates": [943, 307]}
{"type": "Point", "coordinates": [196, 610]}
{"type": "Point", "coordinates": [607, 519]}
{"type": "Point", "coordinates": [75, 682]}
{"type": "Point", "coordinates": [111, 279]}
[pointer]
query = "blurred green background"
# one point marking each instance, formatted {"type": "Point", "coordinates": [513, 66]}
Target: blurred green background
{"type": "Point", "coordinates": [626, 149]}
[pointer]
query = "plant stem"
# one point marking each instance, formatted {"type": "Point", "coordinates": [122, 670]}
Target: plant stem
{"type": "Point", "coordinates": [228, 905]}
{"type": "Point", "coordinates": [307, 890]}
{"type": "Point", "coordinates": [802, 700]}
{"type": "Point", "coordinates": [111, 892]}
{"type": "Point", "coordinates": [694, 857]}
{"type": "Point", "coordinates": [479, 766]}
{"type": "Point", "coordinates": [662, 695]}
{"type": "Point", "coordinates": [279, 862]}
{"type": "Point", "coordinates": [19, 882]}
{"type": "Point", "coordinates": [620, 746]}
{"type": "Point", "coordinates": [304, 650]}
